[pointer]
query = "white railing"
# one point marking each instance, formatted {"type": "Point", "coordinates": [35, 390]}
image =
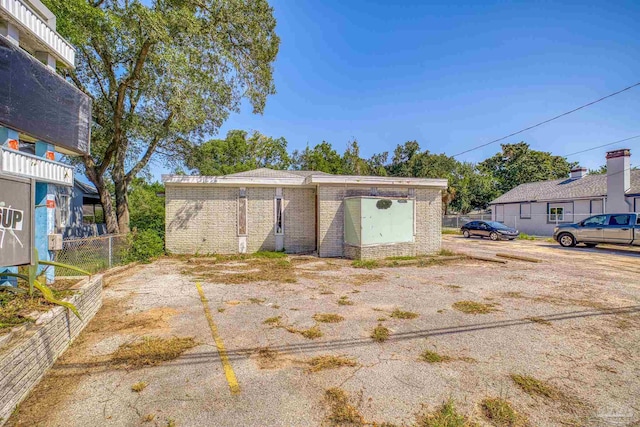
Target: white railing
{"type": "Point", "coordinates": [34, 25]}
{"type": "Point", "coordinates": [25, 165]}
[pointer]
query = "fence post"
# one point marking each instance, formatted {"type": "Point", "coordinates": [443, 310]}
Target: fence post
{"type": "Point", "coordinates": [110, 252]}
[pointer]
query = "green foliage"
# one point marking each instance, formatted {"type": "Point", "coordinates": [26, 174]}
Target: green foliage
{"type": "Point", "coordinates": [445, 416]}
{"type": "Point", "coordinates": [524, 236]}
{"type": "Point", "coordinates": [144, 245]}
{"type": "Point", "coordinates": [321, 158]}
{"type": "Point", "coordinates": [32, 279]}
{"type": "Point", "coordinates": [238, 153]}
{"type": "Point", "coordinates": [517, 164]}
{"type": "Point", "coordinates": [146, 207]}
{"type": "Point", "coordinates": [161, 75]}
{"type": "Point", "coordinates": [368, 264]}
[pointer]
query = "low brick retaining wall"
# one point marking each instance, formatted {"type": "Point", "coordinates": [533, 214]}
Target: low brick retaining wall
{"type": "Point", "coordinates": [368, 252]}
{"type": "Point", "coordinates": [29, 351]}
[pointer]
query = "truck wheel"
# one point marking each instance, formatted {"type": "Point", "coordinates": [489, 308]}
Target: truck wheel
{"type": "Point", "coordinates": [567, 240]}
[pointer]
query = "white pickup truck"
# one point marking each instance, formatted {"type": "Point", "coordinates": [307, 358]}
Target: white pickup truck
{"type": "Point", "coordinates": [612, 229]}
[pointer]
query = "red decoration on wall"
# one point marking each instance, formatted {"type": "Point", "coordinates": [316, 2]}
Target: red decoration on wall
{"type": "Point", "coordinates": [50, 155]}
{"type": "Point", "coordinates": [51, 204]}
{"type": "Point", "coordinates": [13, 144]}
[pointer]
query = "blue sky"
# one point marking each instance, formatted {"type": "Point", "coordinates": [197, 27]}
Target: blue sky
{"type": "Point", "coordinates": [452, 75]}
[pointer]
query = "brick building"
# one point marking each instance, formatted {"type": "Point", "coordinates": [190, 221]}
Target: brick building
{"type": "Point", "coordinates": [360, 217]}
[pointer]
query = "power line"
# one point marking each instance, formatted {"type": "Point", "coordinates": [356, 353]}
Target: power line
{"type": "Point", "coordinates": [600, 146]}
{"type": "Point", "coordinates": [548, 120]}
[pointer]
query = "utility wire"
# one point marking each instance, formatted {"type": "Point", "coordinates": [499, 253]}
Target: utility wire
{"type": "Point", "coordinates": [548, 120]}
{"type": "Point", "coordinates": [600, 146]}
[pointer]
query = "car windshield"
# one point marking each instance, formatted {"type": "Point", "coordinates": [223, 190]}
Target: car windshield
{"type": "Point", "coordinates": [498, 225]}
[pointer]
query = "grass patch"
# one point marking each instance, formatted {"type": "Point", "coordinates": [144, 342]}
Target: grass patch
{"type": "Point", "coordinates": [445, 416]}
{"type": "Point", "coordinates": [535, 387]}
{"type": "Point", "coordinates": [472, 307]}
{"type": "Point", "coordinates": [270, 254]}
{"type": "Point", "coordinates": [380, 333]}
{"type": "Point", "coordinates": [273, 321]}
{"type": "Point", "coordinates": [368, 264]}
{"type": "Point", "coordinates": [151, 351]}
{"type": "Point", "coordinates": [311, 333]}
{"type": "Point", "coordinates": [342, 413]}
{"type": "Point", "coordinates": [16, 308]}
{"type": "Point", "coordinates": [256, 300]}
{"type": "Point", "coordinates": [401, 258]}
{"type": "Point", "coordinates": [500, 413]}
{"type": "Point", "coordinates": [524, 236]}
{"type": "Point", "coordinates": [138, 387]}
{"type": "Point", "coordinates": [399, 314]}
{"type": "Point", "coordinates": [221, 310]}
{"type": "Point", "coordinates": [382, 319]}
{"type": "Point", "coordinates": [344, 300]}
{"type": "Point", "coordinates": [320, 363]}
{"type": "Point", "coordinates": [447, 252]}
{"type": "Point", "coordinates": [433, 357]}
{"type": "Point", "coordinates": [451, 231]}
{"type": "Point", "coordinates": [148, 418]}
{"type": "Point", "coordinates": [327, 318]}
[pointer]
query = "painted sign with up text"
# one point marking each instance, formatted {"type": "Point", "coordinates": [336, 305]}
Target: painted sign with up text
{"type": "Point", "coordinates": [16, 221]}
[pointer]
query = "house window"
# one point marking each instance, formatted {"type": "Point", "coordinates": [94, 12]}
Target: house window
{"type": "Point", "coordinates": [556, 214]}
{"type": "Point", "coordinates": [242, 213]}
{"type": "Point", "coordinates": [525, 210]}
{"type": "Point", "coordinates": [279, 222]}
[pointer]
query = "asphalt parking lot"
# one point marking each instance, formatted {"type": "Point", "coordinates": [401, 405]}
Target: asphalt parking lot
{"type": "Point", "coordinates": [570, 320]}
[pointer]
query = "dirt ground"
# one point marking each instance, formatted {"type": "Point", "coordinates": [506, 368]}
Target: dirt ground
{"type": "Point", "coordinates": [571, 321]}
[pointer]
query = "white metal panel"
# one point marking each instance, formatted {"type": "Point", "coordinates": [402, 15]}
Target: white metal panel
{"type": "Point", "coordinates": [22, 15]}
{"type": "Point", "coordinates": [20, 164]}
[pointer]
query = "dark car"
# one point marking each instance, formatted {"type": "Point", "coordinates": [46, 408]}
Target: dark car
{"type": "Point", "coordinates": [491, 229]}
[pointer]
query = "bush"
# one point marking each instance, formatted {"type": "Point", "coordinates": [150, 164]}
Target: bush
{"type": "Point", "coordinates": [144, 245]}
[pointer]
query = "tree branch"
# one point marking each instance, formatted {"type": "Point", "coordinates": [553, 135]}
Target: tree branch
{"type": "Point", "coordinates": [150, 150]}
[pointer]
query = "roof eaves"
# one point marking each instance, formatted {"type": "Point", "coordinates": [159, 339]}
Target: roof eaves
{"type": "Point", "coordinates": [377, 180]}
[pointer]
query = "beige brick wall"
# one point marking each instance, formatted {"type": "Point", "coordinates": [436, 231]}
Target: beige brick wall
{"type": "Point", "coordinates": [26, 356]}
{"type": "Point", "coordinates": [331, 217]}
{"type": "Point", "coordinates": [261, 221]}
{"type": "Point", "coordinates": [299, 219]}
{"type": "Point", "coordinates": [379, 251]}
{"type": "Point", "coordinates": [201, 219]}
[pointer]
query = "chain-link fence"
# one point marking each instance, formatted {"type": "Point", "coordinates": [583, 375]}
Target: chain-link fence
{"type": "Point", "coordinates": [93, 254]}
{"type": "Point", "coordinates": [457, 221]}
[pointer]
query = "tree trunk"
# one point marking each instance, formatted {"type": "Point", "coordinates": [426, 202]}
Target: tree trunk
{"type": "Point", "coordinates": [105, 199]}
{"type": "Point", "coordinates": [122, 200]}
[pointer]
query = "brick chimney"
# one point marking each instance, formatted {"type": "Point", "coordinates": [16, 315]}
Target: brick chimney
{"type": "Point", "coordinates": [578, 172]}
{"type": "Point", "coordinates": [618, 180]}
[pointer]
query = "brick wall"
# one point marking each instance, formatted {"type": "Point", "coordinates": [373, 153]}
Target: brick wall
{"type": "Point", "coordinates": [261, 219]}
{"type": "Point", "coordinates": [299, 219]}
{"type": "Point", "coordinates": [331, 217]}
{"type": "Point", "coordinates": [26, 355]}
{"type": "Point", "coordinates": [201, 219]}
{"type": "Point", "coordinates": [379, 251]}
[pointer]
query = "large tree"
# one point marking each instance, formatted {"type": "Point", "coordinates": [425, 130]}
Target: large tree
{"type": "Point", "coordinates": [238, 152]}
{"type": "Point", "coordinates": [518, 164]}
{"type": "Point", "coordinates": [321, 158]}
{"type": "Point", "coordinates": [162, 74]}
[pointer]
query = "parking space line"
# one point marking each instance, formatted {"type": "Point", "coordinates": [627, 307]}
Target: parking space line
{"type": "Point", "coordinates": [222, 351]}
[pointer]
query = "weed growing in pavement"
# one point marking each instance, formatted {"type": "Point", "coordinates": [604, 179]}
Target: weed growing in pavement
{"type": "Point", "coordinates": [380, 333]}
{"type": "Point", "coordinates": [368, 264]}
{"type": "Point", "coordinates": [327, 318]}
{"type": "Point", "coordinates": [533, 386]}
{"type": "Point", "coordinates": [433, 357]}
{"type": "Point", "coordinates": [151, 351]}
{"type": "Point", "coordinates": [320, 363]}
{"type": "Point", "coordinates": [500, 413]}
{"type": "Point", "coordinates": [472, 307]}
{"type": "Point", "coordinates": [344, 300]}
{"type": "Point", "coordinates": [138, 387]}
{"type": "Point", "coordinates": [399, 314]}
{"type": "Point", "coordinates": [342, 412]}
{"type": "Point", "coordinates": [274, 321]}
{"type": "Point", "coordinates": [445, 416]}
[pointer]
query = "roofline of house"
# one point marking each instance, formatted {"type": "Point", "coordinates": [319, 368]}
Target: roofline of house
{"type": "Point", "coordinates": [551, 200]}
{"type": "Point", "coordinates": [311, 180]}
{"type": "Point", "coordinates": [378, 181]}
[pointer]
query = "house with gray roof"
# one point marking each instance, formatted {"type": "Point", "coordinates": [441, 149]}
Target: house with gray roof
{"type": "Point", "coordinates": [535, 208]}
{"type": "Point", "coordinates": [359, 217]}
